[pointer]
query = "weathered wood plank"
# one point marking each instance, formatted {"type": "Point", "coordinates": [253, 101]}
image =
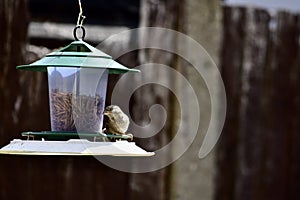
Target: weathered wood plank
{"type": "Point", "coordinates": [250, 146]}
{"type": "Point", "coordinates": [260, 67]}
{"type": "Point", "coordinates": [62, 31]}
{"type": "Point", "coordinates": [233, 41]}
{"type": "Point", "coordinates": [165, 14]}
{"type": "Point", "coordinates": [282, 56]}
{"type": "Point", "coordinates": [13, 22]}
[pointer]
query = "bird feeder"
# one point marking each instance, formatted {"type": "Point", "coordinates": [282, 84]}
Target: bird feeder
{"type": "Point", "coordinates": [77, 82]}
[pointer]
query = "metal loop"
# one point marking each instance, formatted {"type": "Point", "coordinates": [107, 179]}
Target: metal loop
{"type": "Point", "coordinates": [75, 32]}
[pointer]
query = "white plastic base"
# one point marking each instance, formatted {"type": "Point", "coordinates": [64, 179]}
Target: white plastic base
{"type": "Point", "coordinates": [74, 148]}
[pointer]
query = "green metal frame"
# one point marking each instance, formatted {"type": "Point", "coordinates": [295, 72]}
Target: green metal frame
{"type": "Point", "coordinates": [61, 136]}
{"type": "Point", "coordinates": [78, 54]}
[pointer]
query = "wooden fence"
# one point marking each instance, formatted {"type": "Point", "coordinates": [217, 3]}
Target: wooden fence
{"type": "Point", "coordinates": [258, 154]}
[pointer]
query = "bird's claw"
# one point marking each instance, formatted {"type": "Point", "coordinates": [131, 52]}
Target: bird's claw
{"type": "Point", "coordinates": [131, 136]}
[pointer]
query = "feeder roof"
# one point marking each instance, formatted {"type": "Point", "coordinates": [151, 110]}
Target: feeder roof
{"type": "Point", "coordinates": [78, 54]}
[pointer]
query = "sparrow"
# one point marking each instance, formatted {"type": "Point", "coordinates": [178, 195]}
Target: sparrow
{"type": "Point", "coordinates": [118, 121]}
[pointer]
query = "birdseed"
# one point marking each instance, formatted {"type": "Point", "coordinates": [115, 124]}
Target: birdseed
{"type": "Point", "coordinates": [75, 113]}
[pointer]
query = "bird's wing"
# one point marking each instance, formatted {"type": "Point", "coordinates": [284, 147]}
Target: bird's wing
{"type": "Point", "coordinates": [123, 121]}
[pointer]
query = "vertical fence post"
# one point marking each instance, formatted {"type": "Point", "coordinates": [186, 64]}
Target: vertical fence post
{"type": "Point", "coordinates": [260, 67]}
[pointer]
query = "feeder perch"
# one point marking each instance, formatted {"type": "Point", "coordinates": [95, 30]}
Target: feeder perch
{"type": "Point", "coordinates": [77, 82]}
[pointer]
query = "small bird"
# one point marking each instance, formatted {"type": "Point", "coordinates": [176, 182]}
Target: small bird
{"type": "Point", "coordinates": [118, 121]}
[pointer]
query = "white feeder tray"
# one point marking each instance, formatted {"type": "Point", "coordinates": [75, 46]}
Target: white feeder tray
{"type": "Point", "coordinates": [74, 147]}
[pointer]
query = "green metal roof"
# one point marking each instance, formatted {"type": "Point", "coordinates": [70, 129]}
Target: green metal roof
{"type": "Point", "coordinates": [78, 54]}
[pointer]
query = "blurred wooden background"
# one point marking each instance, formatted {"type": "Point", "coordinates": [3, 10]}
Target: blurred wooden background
{"type": "Point", "coordinates": [259, 60]}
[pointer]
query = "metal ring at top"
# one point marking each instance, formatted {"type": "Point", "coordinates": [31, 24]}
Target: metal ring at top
{"type": "Point", "coordinates": [75, 32]}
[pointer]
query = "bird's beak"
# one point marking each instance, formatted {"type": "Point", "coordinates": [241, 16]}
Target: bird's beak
{"type": "Point", "coordinates": [106, 112]}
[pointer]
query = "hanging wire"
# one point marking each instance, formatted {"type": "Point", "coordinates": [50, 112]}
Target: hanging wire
{"type": "Point", "coordinates": [81, 17]}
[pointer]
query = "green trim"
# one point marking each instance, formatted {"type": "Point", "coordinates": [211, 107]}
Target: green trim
{"type": "Point", "coordinates": [78, 54]}
{"type": "Point", "coordinates": [62, 136]}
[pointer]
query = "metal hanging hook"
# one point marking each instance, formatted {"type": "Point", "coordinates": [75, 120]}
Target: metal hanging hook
{"type": "Point", "coordinates": [82, 33]}
{"type": "Point", "coordinates": [79, 25]}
